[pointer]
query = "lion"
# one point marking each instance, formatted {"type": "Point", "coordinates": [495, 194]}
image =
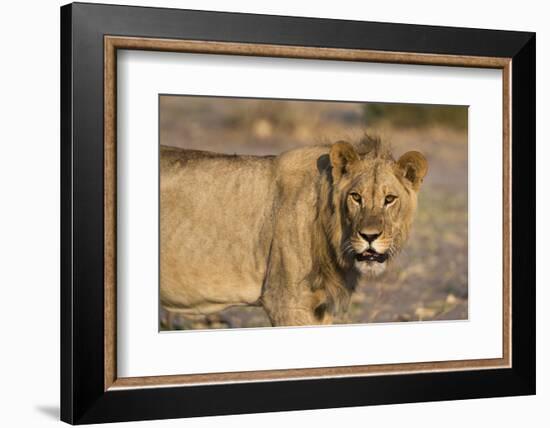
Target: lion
{"type": "Point", "coordinates": [293, 233]}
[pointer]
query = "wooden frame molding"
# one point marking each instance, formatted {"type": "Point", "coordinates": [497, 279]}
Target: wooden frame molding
{"type": "Point", "coordinates": [113, 43]}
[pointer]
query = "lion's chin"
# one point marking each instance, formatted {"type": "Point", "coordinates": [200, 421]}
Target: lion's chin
{"type": "Point", "coordinates": [370, 268]}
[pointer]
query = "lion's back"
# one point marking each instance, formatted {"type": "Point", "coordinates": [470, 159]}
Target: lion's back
{"type": "Point", "coordinates": [216, 215]}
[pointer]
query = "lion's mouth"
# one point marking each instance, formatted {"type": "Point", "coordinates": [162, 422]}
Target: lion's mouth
{"type": "Point", "coordinates": [371, 256]}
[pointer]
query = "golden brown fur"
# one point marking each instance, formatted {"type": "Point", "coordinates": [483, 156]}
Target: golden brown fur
{"type": "Point", "coordinates": [293, 233]}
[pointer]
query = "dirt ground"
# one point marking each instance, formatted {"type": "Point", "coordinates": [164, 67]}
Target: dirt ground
{"type": "Point", "coordinates": [429, 280]}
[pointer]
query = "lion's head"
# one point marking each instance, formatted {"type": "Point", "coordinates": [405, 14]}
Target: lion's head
{"type": "Point", "coordinates": [374, 198]}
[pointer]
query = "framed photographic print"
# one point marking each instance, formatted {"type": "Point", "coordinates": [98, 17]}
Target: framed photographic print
{"type": "Point", "coordinates": [264, 213]}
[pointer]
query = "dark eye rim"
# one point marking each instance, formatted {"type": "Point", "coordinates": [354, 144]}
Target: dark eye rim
{"type": "Point", "coordinates": [389, 199]}
{"type": "Point", "coordinates": [355, 196]}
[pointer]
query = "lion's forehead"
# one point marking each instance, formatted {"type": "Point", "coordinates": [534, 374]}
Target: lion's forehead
{"type": "Point", "coordinates": [376, 177]}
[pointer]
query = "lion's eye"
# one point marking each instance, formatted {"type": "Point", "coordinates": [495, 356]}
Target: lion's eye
{"type": "Point", "coordinates": [389, 199]}
{"type": "Point", "coordinates": [356, 197]}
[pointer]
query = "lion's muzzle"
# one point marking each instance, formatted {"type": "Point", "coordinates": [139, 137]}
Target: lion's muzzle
{"type": "Point", "coordinates": [371, 255]}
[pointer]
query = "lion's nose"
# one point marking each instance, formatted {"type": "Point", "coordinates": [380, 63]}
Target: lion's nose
{"type": "Point", "coordinates": [369, 237]}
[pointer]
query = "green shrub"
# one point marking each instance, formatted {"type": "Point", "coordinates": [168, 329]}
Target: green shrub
{"type": "Point", "coordinates": [416, 115]}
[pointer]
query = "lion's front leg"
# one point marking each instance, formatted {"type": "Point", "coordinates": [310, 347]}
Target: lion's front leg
{"type": "Point", "coordinates": [286, 308]}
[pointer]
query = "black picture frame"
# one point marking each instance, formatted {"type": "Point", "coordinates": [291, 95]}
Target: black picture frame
{"type": "Point", "coordinates": [83, 398]}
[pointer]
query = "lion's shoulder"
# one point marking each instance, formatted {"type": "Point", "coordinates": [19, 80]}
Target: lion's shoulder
{"type": "Point", "coordinates": [303, 162]}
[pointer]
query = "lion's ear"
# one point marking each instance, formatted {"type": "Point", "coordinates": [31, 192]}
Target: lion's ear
{"type": "Point", "coordinates": [414, 166]}
{"type": "Point", "coordinates": [342, 156]}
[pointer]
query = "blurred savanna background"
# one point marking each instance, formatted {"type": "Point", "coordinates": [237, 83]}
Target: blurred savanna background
{"type": "Point", "coordinates": [429, 279]}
